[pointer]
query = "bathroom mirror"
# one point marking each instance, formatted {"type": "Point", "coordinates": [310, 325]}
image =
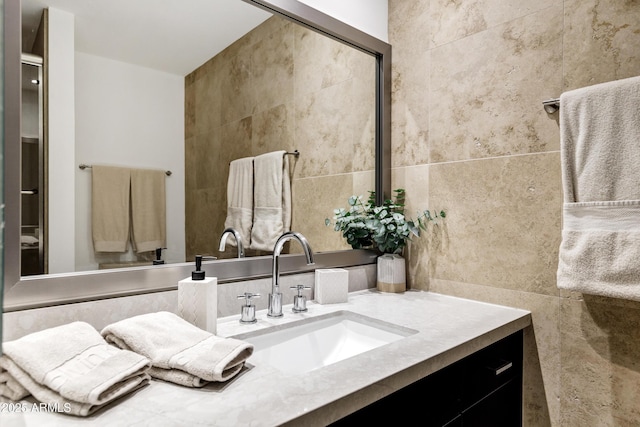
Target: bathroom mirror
{"type": "Point", "coordinates": [266, 60]}
{"type": "Point", "coordinates": [43, 288]}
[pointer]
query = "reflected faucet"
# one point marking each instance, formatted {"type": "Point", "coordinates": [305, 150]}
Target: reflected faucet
{"type": "Point", "coordinates": [223, 240]}
{"type": "Point", "coordinates": [275, 297]}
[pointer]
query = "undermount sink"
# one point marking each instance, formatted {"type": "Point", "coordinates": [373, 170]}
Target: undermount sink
{"type": "Point", "coordinates": [312, 343]}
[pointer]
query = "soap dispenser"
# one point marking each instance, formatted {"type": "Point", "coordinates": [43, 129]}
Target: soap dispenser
{"type": "Point", "coordinates": [198, 298]}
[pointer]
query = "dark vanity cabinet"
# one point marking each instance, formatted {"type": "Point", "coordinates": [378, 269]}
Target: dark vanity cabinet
{"type": "Point", "coordinates": [483, 389]}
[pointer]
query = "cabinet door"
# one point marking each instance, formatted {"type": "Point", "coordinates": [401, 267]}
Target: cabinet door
{"type": "Point", "coordinates": [501, 408]}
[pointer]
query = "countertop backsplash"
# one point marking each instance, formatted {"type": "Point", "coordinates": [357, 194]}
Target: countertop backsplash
{"type": "Point", "coordinates": [103, 312]}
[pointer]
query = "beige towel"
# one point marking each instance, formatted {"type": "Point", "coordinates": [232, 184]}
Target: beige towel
{"type": "Point", "coordinates": [272, 200]}
{"type": "Point", "coordinates": [179, 351]}
{"type": "Point", "coordinates": [72, 366]}
{"type": "Point", "coordinates": [110, 208]}
{"type": "Point", "coordinates": [240, 199]}
{"type": "Point", "coordinates": [148, 209]}
{"type": "Point", "coordinates": [600, 152]}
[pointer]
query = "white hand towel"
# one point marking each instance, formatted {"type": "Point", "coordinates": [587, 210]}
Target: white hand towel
{"type": "Point", "coordinates": [72, 364]}
{"type": "Point", "coordinates": [179, 351]}
{"type": "Point", "coordinates": [272, 199]}
{"type": "Point", "coordinates": [110, 208]}
{"type": "Point", "coordinates": [600, 152]}
{"type": "Point", "coordinates": [240, 199]}
{"type": "Point", "coordinates": [148, 209]}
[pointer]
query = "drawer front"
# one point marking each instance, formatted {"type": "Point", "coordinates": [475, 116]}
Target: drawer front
{"type": "Point", "coordinates": [492, 367]}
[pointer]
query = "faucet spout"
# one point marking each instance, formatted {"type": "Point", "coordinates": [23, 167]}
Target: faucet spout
{"type": "Point", "coordinates": [236, 234]}
{"type": "Point", "coordinates": [275, 298]}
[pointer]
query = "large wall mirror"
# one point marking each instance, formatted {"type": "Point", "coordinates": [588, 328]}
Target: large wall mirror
{"type": "Point", "coordinates": [281, 76]}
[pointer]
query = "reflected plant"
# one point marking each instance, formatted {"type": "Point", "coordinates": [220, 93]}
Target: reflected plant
{"type": "Point", "coordinates": [385, 228]}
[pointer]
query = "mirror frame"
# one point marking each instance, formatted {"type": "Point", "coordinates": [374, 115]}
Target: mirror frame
{"type": "Point", "coordinates": [21, 293]}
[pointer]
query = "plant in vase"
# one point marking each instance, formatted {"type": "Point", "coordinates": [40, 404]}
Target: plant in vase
{"type": "Point", "coordinates": [384, 228]}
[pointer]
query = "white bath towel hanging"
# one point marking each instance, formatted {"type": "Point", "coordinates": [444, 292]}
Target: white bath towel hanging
{"type": "Point", "coordinates": [272, 200]}
{"type": "Point", "coordinates": [600, 152]}
{"type": "Point", "coordinates": [240, 199]}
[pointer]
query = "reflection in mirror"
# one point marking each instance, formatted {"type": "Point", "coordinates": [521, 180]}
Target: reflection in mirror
{"type": "Point", "coordinates": [191, 106]}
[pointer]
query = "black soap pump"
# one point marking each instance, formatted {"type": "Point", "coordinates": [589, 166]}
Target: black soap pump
{"type": "Point", "coordinates": [198, 274]}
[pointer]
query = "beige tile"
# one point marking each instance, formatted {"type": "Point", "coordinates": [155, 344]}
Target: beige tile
{"type": "Point", "coordinates": [410, 82]}
{"type": "Point", "coordinates": [542, 345]}
{"type": "Point", "coordinates": [453, 20]}
{"type": "Point", "coordinates": [236, 95]}
{"type": "Point", "coordinates": [503, 221]}
{"type": "Point", "coordinates": [272, 75]}
{"type": "Point", "coordinates": [321, 62]}
{"type": "Point", "coordinates": [273, 130]}
{"type": "Point", "coordinates": [335, 130]}
{"type": "Point", "coordinates": [601, 41]}
{"type": "Point", "coordinates": [314, 201]}
{"type": "Point", "coordinates": [486, 90]}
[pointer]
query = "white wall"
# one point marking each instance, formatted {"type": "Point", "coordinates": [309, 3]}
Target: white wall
{"type": "Point", "coordinates": [128, 115]}
{"type": "Point", "coordinates": [61, 142]}
{"type": "Point", "coordinates": [370, 16]}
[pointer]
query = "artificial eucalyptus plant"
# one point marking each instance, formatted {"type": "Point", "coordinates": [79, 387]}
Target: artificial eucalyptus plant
{"type": "Point", "coordinates": [365, 225]}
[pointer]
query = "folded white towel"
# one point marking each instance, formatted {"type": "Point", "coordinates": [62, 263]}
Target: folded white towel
{"type": "Point", "coordinates": [272, 200]}
{"type": "Point", "coordinates": [71, 364]}
{"type": "Point", "coordinates": [9, 387]}
{"type": "Point", "coordinates": [240, 199]}
{"type": "Point", "coordinates": [179, 351]}
{"type": "Point", "coordinates": [600, 152]}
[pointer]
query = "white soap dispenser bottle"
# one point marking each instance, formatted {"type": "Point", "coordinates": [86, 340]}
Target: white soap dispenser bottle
{"type": "Point", "coordinates": [198, 299]}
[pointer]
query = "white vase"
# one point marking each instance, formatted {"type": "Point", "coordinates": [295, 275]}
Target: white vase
{"type": "Point", "coordinates": [391, 273]}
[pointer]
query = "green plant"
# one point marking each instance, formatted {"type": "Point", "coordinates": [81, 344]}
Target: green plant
{"type": "Point", "coordinates": [365, 225]}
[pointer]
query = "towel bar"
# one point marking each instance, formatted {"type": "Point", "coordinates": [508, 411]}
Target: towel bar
{"type": "Point", "coordinates": [551, 105]}
{"type": "Point", "coordinates": [82, 166]}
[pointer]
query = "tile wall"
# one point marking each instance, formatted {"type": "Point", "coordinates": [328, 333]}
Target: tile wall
{"type": "Point", "coordinates": [470, 136]}
{"type": "Point", "coordinates": [280, 87]}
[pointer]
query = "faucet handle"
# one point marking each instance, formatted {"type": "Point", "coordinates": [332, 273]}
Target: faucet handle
{"type": "Point", "coordinates": [248, 313]}
{"type": "Point", "coordinates": [300, 301]}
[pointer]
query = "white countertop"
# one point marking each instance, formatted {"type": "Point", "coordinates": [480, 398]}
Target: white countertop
{"type": "Point", "coordinates": [449, 329]}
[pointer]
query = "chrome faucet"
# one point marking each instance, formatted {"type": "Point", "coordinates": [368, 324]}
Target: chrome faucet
{"type": "Point", "coordinates": [275, 297]}
{"type": "Point", "coordinates": [223, 240]}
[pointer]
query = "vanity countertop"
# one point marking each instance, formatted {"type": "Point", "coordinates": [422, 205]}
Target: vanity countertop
{"type": "Point", "coordinates": [449, 329]}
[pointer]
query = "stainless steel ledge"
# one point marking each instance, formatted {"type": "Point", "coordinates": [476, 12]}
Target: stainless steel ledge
{"type": "Point", "coordinates": [59, 289]}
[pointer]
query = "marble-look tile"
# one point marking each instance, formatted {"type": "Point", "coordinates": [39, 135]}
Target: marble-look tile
{"type": "Point", "coordinates": [273, 130]}
{"type": "Point", "coordinates": [542, 345]}
{"type": "Point", "coordinates": [601, 41]}
{"type": "Point", "coordinates": [486, 90]}
{"type": "Point", "coordinates": [189, 108]}
{"type": "Point", "coordinates": [321, 62]}
{"type": "Point", "coordinates": [335, 129]}
{"type": "Point", "coordinates": [410, 82]}
{"type": "Point", "coordinates": [600, 367]}
{"type": "Point", "coordinates": [236, 95]}
{"type": "Point", "coordinates": [207, 102]}
{"type": "Point", "coordinates": [503, 221]}
{"type": "Point", "coordinates": [272, 75]}
{"type": "Point", "coordinates": [453, 20]}
{"type": "Point", "coordinates": [314, 200]}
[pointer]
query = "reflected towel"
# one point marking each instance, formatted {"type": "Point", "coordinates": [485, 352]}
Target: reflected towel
{"type": "Point", "coordinates": [148, 209]}
{"type": "Point", "coordinates": [272, 199]}
{"type": "Point", "coordinates": [600, 152]}
{"type": "Point", "coordinates": [110, 208]}
{"type": "Point", "coordinates": [72, 365]}
{"type": "Point", "coordinates": [240, 199]}
{"type": "Point", "coordinates": [179, 351]}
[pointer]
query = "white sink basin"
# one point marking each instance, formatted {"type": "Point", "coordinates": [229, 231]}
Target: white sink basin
{"type": "Point", "coordinates": [312, 343]}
